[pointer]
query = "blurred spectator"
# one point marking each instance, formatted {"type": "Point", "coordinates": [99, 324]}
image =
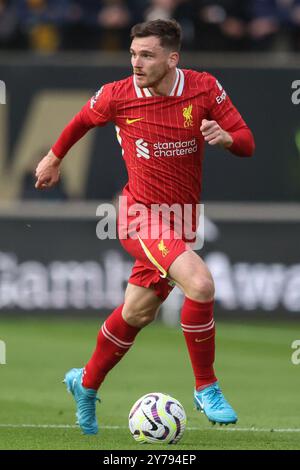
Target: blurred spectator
{"type": "Point", "coordinates": [9, 33]}
{"type": "Point", "coordinates": [295, 25]}
{"type": "Point", "coordinates": [272, 16]}
{"type": "Point", "coordinates": [115, 20]}
{"type": "Point", "coordinates": [162, 9]}
{"type": "Point", "coordinates": [181, 10]}
{"type": "Point", "coordinates": [81, 30]}
{"type": "Point", "coordinates": [265, 24]}
{"type": "Point", "coordinates": [212, 25]}
{"type": "Point", "coordinates": [41, 20]}
{"type": "Point", "coordinates": [99, 24]}
{"type": "Point", "coordinates": [222, 24]}
{"type": "Point", "coordinates": [239, 25]}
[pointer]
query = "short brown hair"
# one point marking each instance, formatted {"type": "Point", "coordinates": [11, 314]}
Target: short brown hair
{"type": "Point", "coordinates": [168, 31]}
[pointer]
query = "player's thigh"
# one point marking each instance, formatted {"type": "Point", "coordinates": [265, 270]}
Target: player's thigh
{"type": "Point", "coordinates": [191, 273]}
{"type": "Point", "coordinates": [140, 302]}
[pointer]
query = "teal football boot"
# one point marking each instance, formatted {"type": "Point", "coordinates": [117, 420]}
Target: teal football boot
{"type": "Point", "coordinates": [85, 399]}
{"type": "Point", "coordinates": [212, 403]}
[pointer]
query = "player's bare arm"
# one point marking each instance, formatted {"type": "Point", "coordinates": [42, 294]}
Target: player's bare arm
{"type": "Point", "coordinates": [214, 134]}
{"type": "Point", "coordinates": [47, 171]}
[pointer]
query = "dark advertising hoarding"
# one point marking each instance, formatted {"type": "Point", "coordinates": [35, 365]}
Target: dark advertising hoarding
{"type": "Point", "coordinates": [56, 266]}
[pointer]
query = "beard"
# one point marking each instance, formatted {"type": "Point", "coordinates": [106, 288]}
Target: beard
{"type": "Point", "coordinates": [154, 80]}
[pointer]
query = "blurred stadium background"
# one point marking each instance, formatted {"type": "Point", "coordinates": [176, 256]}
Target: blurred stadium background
{"type": "Point", "coordinates": [53, 56]}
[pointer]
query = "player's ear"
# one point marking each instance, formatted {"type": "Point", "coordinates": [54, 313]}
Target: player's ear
{"type": "Point", "coordinates": [173, 59]}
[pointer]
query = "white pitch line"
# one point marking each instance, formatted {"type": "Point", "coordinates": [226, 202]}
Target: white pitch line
{"type": "Point", "coordinates": [53, 426]}
{"type": "Point", "coordinates": [73, 426]}
{"type": "Point", "coordinates": [235, 429]}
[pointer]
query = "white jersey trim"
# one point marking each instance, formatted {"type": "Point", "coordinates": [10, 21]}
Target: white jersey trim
{"type": "Point", "coordinates": [147, 92]}
{"type": "Point", "coordinates": [181, 83]}
{"type": "Point", "coordinates": [177, 89]}
{"type": "Point", "coordinates": [175, 84]}
{"type": "Point", "coordinates": [138, 90]}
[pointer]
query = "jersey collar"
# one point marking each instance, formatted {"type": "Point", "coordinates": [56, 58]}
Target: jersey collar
{"type": "Point", "coordinates": [176, 90]}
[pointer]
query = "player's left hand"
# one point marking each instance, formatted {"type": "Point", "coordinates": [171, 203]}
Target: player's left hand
{"type": "Point", "coordinates": [213, 134]}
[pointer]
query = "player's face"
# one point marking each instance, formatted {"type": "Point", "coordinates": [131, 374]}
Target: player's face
{"type": "Point", "coordinates": [150, 61]}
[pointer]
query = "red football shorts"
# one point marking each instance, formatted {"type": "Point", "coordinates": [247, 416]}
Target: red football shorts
{"type": "Point", "coordinates": [154, 254]}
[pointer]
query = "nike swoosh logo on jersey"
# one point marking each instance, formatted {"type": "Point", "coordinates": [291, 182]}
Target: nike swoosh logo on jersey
{"type": "Point", "coordinates": [131, 121]}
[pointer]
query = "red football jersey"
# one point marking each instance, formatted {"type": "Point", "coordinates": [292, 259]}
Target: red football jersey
{"type": "Point", "coordinates": [160, 135]}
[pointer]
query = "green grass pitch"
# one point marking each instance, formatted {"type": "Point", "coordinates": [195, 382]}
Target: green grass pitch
{"type": "Point", "coordinates": [253, 365]}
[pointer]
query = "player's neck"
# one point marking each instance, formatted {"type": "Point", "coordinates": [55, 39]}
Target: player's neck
{"type": "Point", "coordinates": [165, 86]}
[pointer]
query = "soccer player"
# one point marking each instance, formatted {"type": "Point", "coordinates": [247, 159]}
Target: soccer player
{"type": "Point", "coordinates": [164, 116]}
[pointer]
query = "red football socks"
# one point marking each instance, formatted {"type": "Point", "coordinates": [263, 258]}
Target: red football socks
{"type": "Point", "coordinates": [116, 337]}
{"type": "Point", "coordinates": [199, 331]}
{"type": "Point", "coordinates": [114, 340]}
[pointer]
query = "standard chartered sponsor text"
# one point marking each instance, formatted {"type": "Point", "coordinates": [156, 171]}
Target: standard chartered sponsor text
{"type": "Point", "coordinates": [175, 149]}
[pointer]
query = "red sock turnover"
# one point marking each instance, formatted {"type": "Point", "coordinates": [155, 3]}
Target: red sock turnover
{"type": "Point", "coordinates": [199, 331]}
{"type": "Point", "coordinates": [114, 340]}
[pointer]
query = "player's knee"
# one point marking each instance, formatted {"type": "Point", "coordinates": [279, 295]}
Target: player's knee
{"type": "Point", "coordinates": [201, 288]}
{"type": "Point", "coordinates": [138, 317]}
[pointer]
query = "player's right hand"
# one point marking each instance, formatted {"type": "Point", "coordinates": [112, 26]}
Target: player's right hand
{"type": "Point", "coordinates": [47, 172]}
